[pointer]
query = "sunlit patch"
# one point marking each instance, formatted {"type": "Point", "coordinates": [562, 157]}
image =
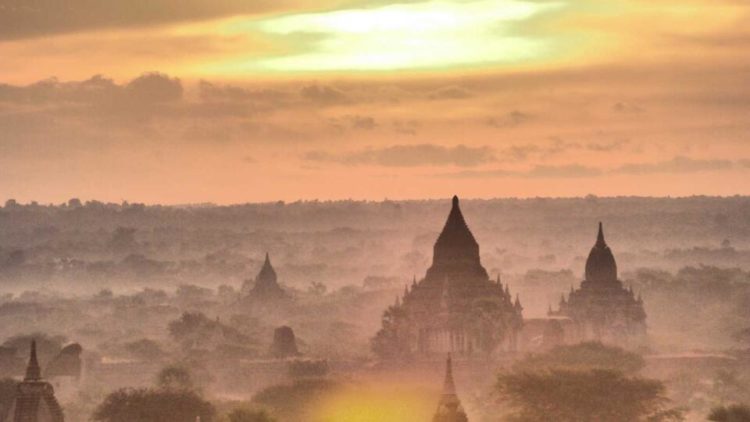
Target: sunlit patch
{"type": "Point", "coordinates": [394, 403]}
{"type": "Point", "coordinates": [430, 34]}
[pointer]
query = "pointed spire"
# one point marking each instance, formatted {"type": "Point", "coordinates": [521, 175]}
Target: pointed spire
{"type": "Point", "coordinates": [33, 371]}
{"type": "Point", "coordinates": [414, 281]}
{"type": "Point", "coordinates": [268, 260]}
{"type": "Point", "coordinates": [517, 304]}
{"type": "Point", "coordinates": [600, 237]}
{"type": "Point", "coordinates": [449, 387]}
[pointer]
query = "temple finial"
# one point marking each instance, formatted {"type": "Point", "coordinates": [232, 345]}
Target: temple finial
{"type": "Point", "coordinates": [268, 260]}
{"type": "Point", "coordinates": [449, 387]}
{"type": "Point", "coordinates": [600, 236]}
{"type": "Point", "coordinates": [455, 200]}
{"type": "Point", "coordinates": [33, 372]}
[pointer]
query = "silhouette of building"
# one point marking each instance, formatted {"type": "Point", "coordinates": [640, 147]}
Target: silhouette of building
{"type": "Point", "coordinates": [284, 343]}
{"type": "Point", "coordinates": [265, 287]}
{"type": "Point", "coordinates": [35, 398]}
{"type": "Point", "coordinates": [455, 308]}
{"type": "Point", "coordinates": [602, 309]}
{"type": "Point", "coordinates": [449, 408]}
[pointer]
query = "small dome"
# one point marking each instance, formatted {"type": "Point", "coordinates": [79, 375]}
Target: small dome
{"type": "Point", "coordinates": [600, 265]}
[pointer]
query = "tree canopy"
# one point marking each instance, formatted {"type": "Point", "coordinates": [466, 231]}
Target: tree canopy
{"type": "Point", "coordinates": [148, 405]}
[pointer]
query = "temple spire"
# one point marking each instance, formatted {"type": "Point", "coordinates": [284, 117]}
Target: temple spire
{"type": "Point", "coordinates": [449, 387]}
{"type": "Point", "coordinates": [600, 236]}
{"type": "Point", "coordinates": [33, 371]}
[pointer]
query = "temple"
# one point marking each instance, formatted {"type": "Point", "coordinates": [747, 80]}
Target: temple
{"type": "Point", "coordinates": [35, 398]}
{"type": "Point", "coordinates": [449, 408]}
{"type": "Point", "coordinates": [265, 287]}
{"type": "Point", "coordinates": [602, 309]}
{"type": "Point", "coordinates": [455, 308]}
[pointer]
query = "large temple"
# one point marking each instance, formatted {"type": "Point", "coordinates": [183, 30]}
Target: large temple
{"type": "Point", "coordinates": [265, 287]}
{"type": "Point", "coordinates": [455, 308]}
{"type": "Point", "coordinates": [602, 309]}
{"type": "Point", "coordinates": [35, 398]}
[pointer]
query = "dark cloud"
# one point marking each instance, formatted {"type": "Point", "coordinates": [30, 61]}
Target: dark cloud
{"type": "Point", "coordinates": [406, 127]}
{"type": "Point", "coordinates": [610, 146]}
{"type": "Point", "coordinates": [98, 90]}
{"type": "Point", "coordinates": [624, 107]}
{"type": "Point", "coordinates": [512, 119]}
{"type": "Point", "coordinates": [323, 94]}
{"type": "Point", "coordinates": [677, 164]}
{"type": "Point", "coordinates": [356, 122]}
{"type": "Point", "coordinates": [541, 171]}
{"type": "Point", "coordinates": [450, 93]}
{"type": "Point", "coordinates": [31, 18]}
{"type": "Point", "coordinates": [410, 156]}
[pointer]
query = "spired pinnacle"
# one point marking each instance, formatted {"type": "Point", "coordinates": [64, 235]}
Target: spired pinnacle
{"type": "Point", "coordinates": [449, 387]}
{"type": "Point", "coordinates": [455, 251]}
{"type": "Point", "coordinates": [600, 237]}
{"type": "Point", "coordinates": [33, 371]}
{"type": "Point", "coordinates": [600, 265]}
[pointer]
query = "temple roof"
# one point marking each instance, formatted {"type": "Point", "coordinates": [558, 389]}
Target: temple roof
{"type": "Point", "coordinates": [600, 265]}
{"type": "Point", "coordinates": [266, 284]}
{"type": "Point", "coordinates": [456, 251]}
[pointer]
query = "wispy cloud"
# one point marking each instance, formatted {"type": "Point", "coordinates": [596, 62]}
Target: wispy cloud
{"type": "Point", "coordinates": [410, 156]}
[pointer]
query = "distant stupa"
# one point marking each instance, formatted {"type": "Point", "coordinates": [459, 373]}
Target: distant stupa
{"type": "Point", "coordinates": [266, 286]}
{"type": "Point", "coordinates": [449, 408]}
{"type": "Point", "coordinates": [35, 398]}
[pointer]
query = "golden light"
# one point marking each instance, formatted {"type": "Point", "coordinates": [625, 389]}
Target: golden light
{"type": "Point", "coordinates": [380, 403]}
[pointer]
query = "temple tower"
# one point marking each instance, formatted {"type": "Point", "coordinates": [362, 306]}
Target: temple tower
{"type": "Point", "coordinates": [35, 398]}
{"type": "Point", "coordinates": [455, 308]}
{"type": "Point", "coordinates": [449, 408]}
{"type": "Point", "coordinates": [602, 309]}
{"type": "Point", "coordinates": [265, 286]}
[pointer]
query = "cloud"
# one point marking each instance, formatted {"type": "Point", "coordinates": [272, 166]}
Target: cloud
{"type": "Point", "coordinates": [539, 171]}
{"type": "Point", "coordinates": [410, 156]}
{"type": "Point", "coordinates": [23, 19]}
{"type": "Point", "coordinates": [677, 164]}
{"type": "Point", "coordinates": [450, 93]}
{"type": "Point", "coordinates": [512, 119]}
{"type": "Point", "coordinates": [323, 94]}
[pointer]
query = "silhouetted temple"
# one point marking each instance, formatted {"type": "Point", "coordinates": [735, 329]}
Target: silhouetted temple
{"type": "Point", "coordinates": [449, 408]}
{"type": "Point", "coordinates": [35, 399]}
{"type": "Point", "coordinates": [265, 287]}
{"type": "Point", "coordinates": [456, 308]}
{"type": "Point", "coordinates": [602, 309]}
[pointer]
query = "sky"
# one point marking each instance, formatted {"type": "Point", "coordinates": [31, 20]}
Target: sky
{"type": "Point", "coordinates": [228, 101]}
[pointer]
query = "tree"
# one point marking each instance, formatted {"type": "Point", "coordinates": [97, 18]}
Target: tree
{"type": "Point", "coordinates": [248, 415]}
{"type": "Point", "coordinates": [582, 356]}
{"type": "Point", "coordinates": [562, 395]}
{"type": "Point", "coordinates": [175, 378]}
{"type": "Point", "coordinates": [146, 405]}
{"type": "Point", "coordinates": [733, 413]}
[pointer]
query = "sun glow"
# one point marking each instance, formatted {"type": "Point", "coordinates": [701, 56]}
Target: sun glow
{"type": "Point", "coordinates": [378, 404]}
{"type": "Point", "coordinates": [431, 34]}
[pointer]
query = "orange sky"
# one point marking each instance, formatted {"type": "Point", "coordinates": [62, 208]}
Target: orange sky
{"type": "Point", "coordinates": [232, 101]}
